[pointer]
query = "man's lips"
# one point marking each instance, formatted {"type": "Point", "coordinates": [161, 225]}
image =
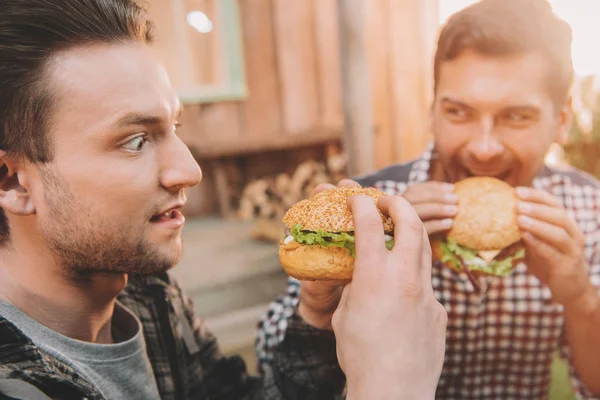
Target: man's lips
{"type": "Point", "coordinates": [173, 219]}
{"type": "Point", "coordinates": [502, 175]}
{"type": "Point", "coordinates": [172, 213]}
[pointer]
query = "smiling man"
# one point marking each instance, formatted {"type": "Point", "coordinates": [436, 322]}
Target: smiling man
{"type": "Point", "coordinates": [92, 179]}
{"type": "Point", "coordinates": [502, 73]}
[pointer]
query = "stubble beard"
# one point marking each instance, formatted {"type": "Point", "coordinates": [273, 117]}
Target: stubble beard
{"type": "Point", "coordinates": [84, 246]}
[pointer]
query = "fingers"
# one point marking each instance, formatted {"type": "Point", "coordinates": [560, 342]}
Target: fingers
{"type": "Point", "coordinates": [409, 231]}
{"type": "Point", "coordinates": [326, 186]}
{"type": "Point", "coordinates": [426, 263]}
{"type": "Point", "coordinates": [537, 196]}
{"type": "Point", "coordinates": [431, 192]}
{"type": "Point", "coordinates": [546, 232]}
{"type": "Point", "coordinates": [435, 204]}
{"type": "Point", "coordinates": [321, 187]}
{"type": "Point", "coordinates": [438, 225]}
{"type": "Point", "coordinates": [428, 211]}
{"type": "Point", "coordinates": [349, 183]}
{"type": "Point", "coordinates": [368, 226]}
{"type": "Point", "coordinates": [552, 215]}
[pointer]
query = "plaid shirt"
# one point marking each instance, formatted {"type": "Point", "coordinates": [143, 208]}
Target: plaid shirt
{"type": "Point", "coordinates": [501, 340]}
{"type": "Point", "coordinates": [185, 356]}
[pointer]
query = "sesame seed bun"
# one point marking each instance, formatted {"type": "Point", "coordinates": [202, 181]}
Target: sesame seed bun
{"type": "Point", "coordinates": [326, 211]}
{"type": "Point", "coordinates": [486, 218]}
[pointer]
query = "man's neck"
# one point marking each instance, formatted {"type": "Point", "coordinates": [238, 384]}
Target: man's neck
{"type": "Point", "coordinates": [79, 308]}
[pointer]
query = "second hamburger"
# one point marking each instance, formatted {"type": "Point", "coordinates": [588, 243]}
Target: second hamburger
{"type": "Point", "coordinates": [485, 238]}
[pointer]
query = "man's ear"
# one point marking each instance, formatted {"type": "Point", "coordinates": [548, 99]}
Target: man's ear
{"type": "Point", "coordinates": [14, 196]}
{"type": "Point", "coordinates": [565, 122]}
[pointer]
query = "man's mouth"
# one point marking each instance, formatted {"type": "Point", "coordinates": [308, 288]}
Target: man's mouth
{"type": "Point", "coordinates": [498, 175]}
{"type": "Point", "coordinates": [169, 215]}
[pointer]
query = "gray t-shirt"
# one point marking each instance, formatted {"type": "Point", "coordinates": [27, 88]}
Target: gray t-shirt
{"type": "Point", "coordinates": [120, 371]}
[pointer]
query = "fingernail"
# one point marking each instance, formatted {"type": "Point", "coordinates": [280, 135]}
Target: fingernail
{"type": "Point", "coordinates": [451, 210]}
{"type": "Point", "coordinates": [451, 198]}
{"type": "Point", "coordinates": [524, 207]}
{"type": "Point", "coordinates": [447, 223]}
{"type": "Point", "coordinates": [525, 221]}
{"type": "Point", "coordinates": [448, 187]}
{"type": "Point", "coordinates": [522, 191]}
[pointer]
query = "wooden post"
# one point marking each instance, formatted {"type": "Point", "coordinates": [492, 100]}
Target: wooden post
{"type": "Point", "coordinates": [356, 89]}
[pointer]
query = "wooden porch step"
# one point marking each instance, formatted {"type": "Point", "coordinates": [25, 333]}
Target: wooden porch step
{"type": "Point", "coordinates": [230, 277]}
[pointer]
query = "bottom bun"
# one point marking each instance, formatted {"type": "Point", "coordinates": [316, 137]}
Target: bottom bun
{"type": "Point", "coordinates": [316, 263]}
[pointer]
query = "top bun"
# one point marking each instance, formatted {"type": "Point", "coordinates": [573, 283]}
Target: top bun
{"type": "Point", "coordinates": [486, 218]}
{"type": "Point", "coordinates": [327, 211]}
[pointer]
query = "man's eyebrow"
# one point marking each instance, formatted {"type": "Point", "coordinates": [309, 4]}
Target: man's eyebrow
{"type": "Point", "coordinates": [455, 102]}
{"type": "Point", "coordinates": [523, 107]}
{"type": "Point", "coordinates": [137, 119]}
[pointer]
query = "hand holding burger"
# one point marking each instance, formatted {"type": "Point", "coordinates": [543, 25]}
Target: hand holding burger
{"type": "Point", "coordinates": [389, 311]}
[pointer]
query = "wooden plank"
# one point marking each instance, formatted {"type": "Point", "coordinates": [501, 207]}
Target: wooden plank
{"type": "Point", "coordinates": [191, 129]}
{"type": "Point", "coordinates": [202, 48]}
{"type": "Point", "coordinates": [261, 111]}
{"type": "Point", "coordinates": [247, 145]}
{"type": "Point", "coordinates": [201, 199]}
{"type": "Point", "coordinates": [328, 62]}
{"type": "Point", "coordinates": [356, 92]}
{"type": "Point", "coordinates": [222, 188]}
{"type": "Point", "coordinates": [408, 78]}
{"type": "Point", "coordinates": [163, 48]}
{"type": "Point", "coordinates": [429, 29]}
{"type": "Point", "coordinates": [376, 15]}
{"type": "Point", "coordinates": [221, 121]}
{"type": "Point", "coordinates": [297, 64]}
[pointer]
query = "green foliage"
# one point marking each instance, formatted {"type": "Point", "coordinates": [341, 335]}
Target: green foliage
{"type": "Point", "coordinates": [582, 149]}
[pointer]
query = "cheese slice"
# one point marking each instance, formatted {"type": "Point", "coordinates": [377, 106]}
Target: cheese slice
{"type": "Point", "coordinates": [488, 255]}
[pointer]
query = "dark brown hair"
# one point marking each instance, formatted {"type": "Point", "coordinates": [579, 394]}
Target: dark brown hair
{"type": "Point", "coordinates": [31, 33]}
{"type": "Point", "coordinates": [511, 27]}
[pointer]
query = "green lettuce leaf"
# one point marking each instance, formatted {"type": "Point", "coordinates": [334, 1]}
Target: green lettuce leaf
{"type": "Point", "coordinates": [328, 239]}
{"type": "Point", "coordinates": [452, 252]}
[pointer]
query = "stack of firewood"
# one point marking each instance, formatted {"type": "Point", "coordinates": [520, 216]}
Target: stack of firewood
{"type": "Point", "coordinates": [266, 200]}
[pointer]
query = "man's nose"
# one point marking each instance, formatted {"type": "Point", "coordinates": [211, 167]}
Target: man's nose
{"type": "Point", "coordinates": [485, 146]}
{"type": "Point", "coordinates": [180, 170]}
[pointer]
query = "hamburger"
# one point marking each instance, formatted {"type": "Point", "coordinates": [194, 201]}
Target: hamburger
{"type": "Point", "coordinates": [319, 238]}
{"type": "Point", "coordinates": [485, 238]}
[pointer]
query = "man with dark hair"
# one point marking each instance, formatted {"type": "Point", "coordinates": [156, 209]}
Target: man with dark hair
{"type": "Point", "coordinates": [502, 72]}
{"type": "Point", "coordinates": [92, 178]}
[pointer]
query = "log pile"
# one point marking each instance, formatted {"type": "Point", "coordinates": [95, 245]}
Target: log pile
{"type": "Point", "coordinates": [266, 200]}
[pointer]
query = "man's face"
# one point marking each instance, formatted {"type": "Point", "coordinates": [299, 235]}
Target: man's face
{"type": "Point", "coordinates": [493, 116]}
{"type": "Point", "coordinates": [117, 166]}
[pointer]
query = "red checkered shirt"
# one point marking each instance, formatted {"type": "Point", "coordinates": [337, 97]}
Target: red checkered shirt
{"type": "Point", "coordinates": [500, 340]}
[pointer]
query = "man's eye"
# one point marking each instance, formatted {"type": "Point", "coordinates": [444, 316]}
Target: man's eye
{"type": "Point", "coordinates": [516, 117]}
{"type": "Point", "coordinates": [456, 112]}
{"type": "Point", "coordinates": [135, 144]}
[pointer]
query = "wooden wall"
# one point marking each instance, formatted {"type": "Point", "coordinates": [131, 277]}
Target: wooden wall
{"type": "Point", "coordinates": [291, 51]}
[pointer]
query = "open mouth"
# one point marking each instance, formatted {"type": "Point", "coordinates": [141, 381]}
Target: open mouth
{"type": "Point", "coordinates": [502, 176]}
{"type": "Point", "coordinates": [166, 216]}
